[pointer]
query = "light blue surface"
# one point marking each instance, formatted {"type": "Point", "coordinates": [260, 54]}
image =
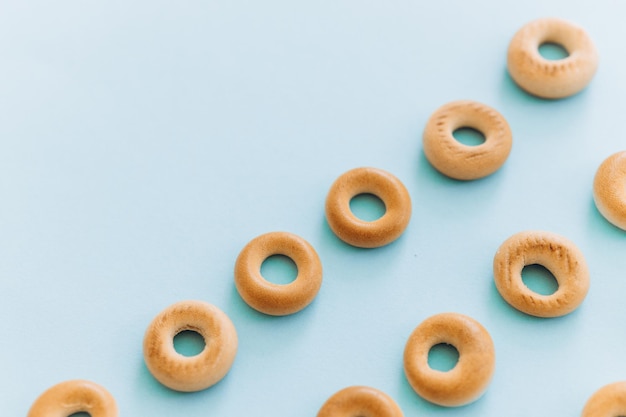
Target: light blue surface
{"type": "Point", "coordinates": [143, 144]}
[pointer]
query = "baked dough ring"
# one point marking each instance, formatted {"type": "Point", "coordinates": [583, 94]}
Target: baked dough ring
{"type": "Point", "coordinates": [361, 233]}
{"type": "Point", "coordinates": [609, 192]}
{"type": "Point", "coordinates": [552, 78]}
{"type": "Point", "coordinates": [74, 396]}
{"type": "Point", "coordinates": [463, 162]}
{"type": "Point", "coordinates": [608, 401]}
{"type": "Point", "coordinates": [558, 255]}
{"type": "Point", "coordinates": [276, 299]}
{"type": "Point", "coordinates": [190, 373]}
{"type": "Point", "coordinates": [360, 401]}
{"type": "Point", "coordinates": [469, 378]}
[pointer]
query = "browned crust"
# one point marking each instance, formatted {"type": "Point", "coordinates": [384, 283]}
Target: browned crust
{"type": "Point", "coordinates": [610, 400]}
{"type": "Point", "coordinates": [360, 401]}
{"type": "Point", "coordinates": [190, 373]}
{"type": "Point", "coordinates": [459, 161]}
{"type": "Point", "coordinates": [275, 299]}
{"type": "Point", "coordinates": [557, 254]}
{"type": "Point", "coordinates": [74, 396]}
{"type": "Point", "coordinates": [546, 78]}
{"type": "Point", "coordinates": [609, 189]}
{"type": "Point", "coordinates": [470, 377]}
{"type": "Point", "coordinates": [361, 233]}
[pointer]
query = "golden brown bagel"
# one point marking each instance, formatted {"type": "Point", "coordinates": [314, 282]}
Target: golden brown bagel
{"type": "Point", "coordinates": [552, 78]}
{"type": "Point", "coordinates": [469, 378]}
{"type": "Point", "coordinates": [463, 162]}
{"type": "Point", "coordinates": [190, 373]}
{"type": "Point", "coordinates": [360, 401]}
{"type": "Point", "coordinates": [361, 233]}
{"type": "Point", "coordinates": [277, 299]}
{"type": "Point", "coordinates": [74, 396]}
{"type": "Point", "coordinates": [558, 255]}
{"type": "Point", "coordinates": [608, 401]}
{"type": "Point", "coordinates": [609, 192]}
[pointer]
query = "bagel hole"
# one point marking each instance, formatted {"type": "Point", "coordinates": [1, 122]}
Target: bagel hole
{"type": "Point", "coordinates": [80, 414]}
{"type": "Point", "coordinates": [443, 357]}
{"type": "Point", "coordinates": [189, 343]}
{"type": "Point", "coordinates": [469, 136]}
{"type": "Point", "coordinates": [279, 269]}
{"type": "Point", "coordinates": [553, 51]}
{"type": "Point", "coordinates": [367, 207]}
{"type": "Point", "coordinates": [539, 279]}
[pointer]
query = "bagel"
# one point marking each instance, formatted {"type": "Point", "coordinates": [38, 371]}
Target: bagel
{"type": "Point", "coordinates": [360, 401]}
{"type": "Point", "coordinates": [190, 373]}
{"type": "Point", "coordinates": [558, 255]}
{"type": "Point", "coordinates": [471, 375]}
{"type": "Point", "coordinates": [463, 162]}
{"type": "Point", "coordinates": [608, 401]}
{"type": "Point", "coordinates": [361, 233]}
{"type": "Point", "coordinates": [546, 78]}
{"type": "Point", "coordinates": [609, 192]}
{"type": "Point", "coordinates": [276, 299]}
{"type": "Point", "coordinates": [74, 396]}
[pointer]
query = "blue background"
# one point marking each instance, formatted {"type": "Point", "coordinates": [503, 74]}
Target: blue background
{"type": "Point", "coordinates": [143, 144]}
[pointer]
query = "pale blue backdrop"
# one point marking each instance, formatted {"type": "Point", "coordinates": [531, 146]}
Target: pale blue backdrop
{"type": "Point", "coordinates": [143, 144]}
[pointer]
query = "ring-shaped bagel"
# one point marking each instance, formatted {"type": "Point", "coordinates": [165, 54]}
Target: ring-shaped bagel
{"type": "Point", "coordinates": [74, 396]}
{"type": "Point", "coordinates": [190, 373]}
{"type": "Point", "coordinates": [609, 190]}
{"type": "Point", "coordinates": [278, 299]}
{"type": "Point", "coordinates": [552, 78]}
{"type": "Point", "coordinates": [471, 375]}
{"type": "Point", "coordinates": [362, 233]}
{"type": "Point", "coordinates": [558, 255]}
{"type": "Point", "coordinates": [360, 401]}
{"type": "Point", "coordinates": [463, 162]}
{"type": "Point", "coordinates": [608, 401]}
